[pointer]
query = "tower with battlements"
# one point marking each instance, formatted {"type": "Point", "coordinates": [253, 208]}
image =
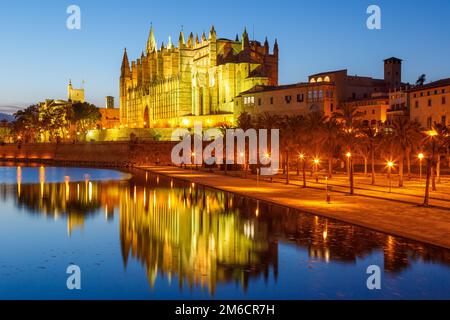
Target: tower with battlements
{"type": "Point", "coordinates": [75, 95]}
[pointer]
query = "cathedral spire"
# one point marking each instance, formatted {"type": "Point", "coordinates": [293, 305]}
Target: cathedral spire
{"type": "Point", "coordinates": [203, 37]}
{"type": "Point", "coordinates": [212, 33]}
{"type": "Point", "coordinates": [170, 44]}
{"type": "Point", "coordinates": [275, 48]}
{"type": "Point", "coordinates": [197, 41]}
{"type": "Point", "coordinates": [125, 65]}
{"type": "Point", "coordinates": [245, 40]}
{"type": "Point", "coordinates": [181, 39]}
{"type": "Point", "coordinates": [191, 40]}
{"type": "Point", "coordinates": [266, 46]}
{"type": "Point", "coordinates": [151, 43]}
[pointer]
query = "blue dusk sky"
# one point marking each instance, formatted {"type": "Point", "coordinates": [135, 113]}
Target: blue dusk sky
{"type": "Point", "coordinates": [38, 54]}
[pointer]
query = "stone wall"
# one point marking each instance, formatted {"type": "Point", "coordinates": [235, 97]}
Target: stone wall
{"type": "Point", "coordinates": [95, 153]}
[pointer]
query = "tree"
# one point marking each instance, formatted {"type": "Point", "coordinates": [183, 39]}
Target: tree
{"type": "Point", "coordinates": [370, 139]}
{"type": "Point", "coordinates": [331, 137]}
{"type": "Point", "coordinates": [437, 139]}
{"type": "Point", "coordinates": [421, 80]}
{"type": "Point", "coordinates": [442, 144]}
{"type": "Point", "coordinates": [269, 122]}
{"type": "Point", "coordinates": [350, 117]}
{"type": "Point", "coordinates": [223, 128]}
{"type": "Point", "coordinates": [85, 116]}
{"type": "Point", "coordinates": [245, 121]}
{"type": "Point", "coordinates": [26, 124]}
{"type": "Point", "coordinates": [405, 135]}
{"type": "Point", "coordinates": [289, 139]}
{"type": "Point", "coordinates": [313, 132]}
{"type": "Point", "coordinates": [5, 130]}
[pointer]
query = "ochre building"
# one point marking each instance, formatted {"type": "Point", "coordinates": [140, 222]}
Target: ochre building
{"type": "Point", "coordinates": [198, 80]}
{"type": "Point", "coordinates": [430, 103]}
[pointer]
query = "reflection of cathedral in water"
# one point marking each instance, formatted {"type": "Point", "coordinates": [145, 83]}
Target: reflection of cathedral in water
{"type": "Point", "coordinates": [188, 233]}
{"type": "Point", "coordinates": [205, 238]}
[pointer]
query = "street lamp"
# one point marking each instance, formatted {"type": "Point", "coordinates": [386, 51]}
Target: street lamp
{"type": "Point", "coordinates": [302, 158]}
{"type": "Point", "coordinates": [421, 156]}
{"type": "Point", "coordinates": [430, 166]}
{"type": "Point", "coordinates": [390, 165]}
{"type": "Point", "coordinates": [350, 172]}
{"type": "Point", "coordinates": [348, 155]}
{"type": "Point", "coordinates": [316, 168]}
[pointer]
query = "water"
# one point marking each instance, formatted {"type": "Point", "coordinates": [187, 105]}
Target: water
{"type": "Point", "coordinates": [150, 237]}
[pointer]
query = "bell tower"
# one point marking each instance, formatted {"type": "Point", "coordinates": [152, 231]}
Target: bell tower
{"type": "Point", "coordinates": [393, 73]}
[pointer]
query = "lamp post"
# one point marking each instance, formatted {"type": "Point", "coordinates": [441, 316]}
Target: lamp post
{"type": "Point", "coordinates": [421, 156]}
{"type": "Point", "coordinates": [390, 165]}
{"type": "Point", "coordinates": [430, 166]}
{"type": "Point", "coordinates": [350, 172]}
{"type": "Point", "coordinates": [302, 158]}
{"type": "Point", "coordinates": [316, 168]}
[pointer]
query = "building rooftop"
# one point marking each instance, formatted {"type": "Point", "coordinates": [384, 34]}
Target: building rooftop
{"type": "Point", "coordinates": [328, 72]}
{"type": "Point", "coordinates": [260, 88]}
{"type": "Point", "coordinates": [431, 85]}
{"type": "Point", "coordinates": [393, 59]}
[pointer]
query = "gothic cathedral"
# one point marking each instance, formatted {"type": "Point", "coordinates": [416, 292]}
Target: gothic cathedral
{"type": "Point", "coordinates": [197, 81]}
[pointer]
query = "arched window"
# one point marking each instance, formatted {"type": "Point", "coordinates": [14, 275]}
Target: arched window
{"type": "Point", "coordinates": [146, 118]}
{"type": "Point", "coordinates": [312, 80]}
{"type": "Point", "coordinates": [327, 79]}
{"type": "Point", "coordinates": [319, 79]}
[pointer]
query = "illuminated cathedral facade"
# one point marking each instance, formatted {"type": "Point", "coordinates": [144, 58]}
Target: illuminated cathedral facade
{"type": "Point", "coordinates": [199, 80]}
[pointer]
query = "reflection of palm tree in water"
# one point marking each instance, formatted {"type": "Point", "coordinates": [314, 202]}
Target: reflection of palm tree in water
{"type": "Point", "coordinates": [75, 201]}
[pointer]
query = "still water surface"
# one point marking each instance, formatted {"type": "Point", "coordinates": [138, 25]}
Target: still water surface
{"type": "Point", "coordinates": [141, 236]}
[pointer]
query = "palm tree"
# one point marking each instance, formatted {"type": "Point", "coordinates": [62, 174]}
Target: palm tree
{"type": "Point", "coordinates": [331, 135]}
{"type": "Point", "coordinates": [437, 139]}
{"type": "Point", "coordinates": [371, 139]}
{"type": "Point", "coordinates": [270, 122]}
{"type": "Point", "coordinates": [421, 80]}
{"type": "Point", "coordinates": [223, 131]}
{"type": "Point", "coordinates": [442, 145]}
{"type": "Point", "coordinates": [350, 117]}
{"type": "Point", "coordinates": [245, 122]}
{"type": "Point", "coordinates": [290, 134]}
{"type": "Point", "coordinates": [405, 134]}
{"type": "Point", "coordinates": [313, 131]}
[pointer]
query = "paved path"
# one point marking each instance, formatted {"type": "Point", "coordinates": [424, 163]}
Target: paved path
{"type": "Point", "coordinates": [412, 193]}
{"type": "Point", "coordinates": [430, 225]}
